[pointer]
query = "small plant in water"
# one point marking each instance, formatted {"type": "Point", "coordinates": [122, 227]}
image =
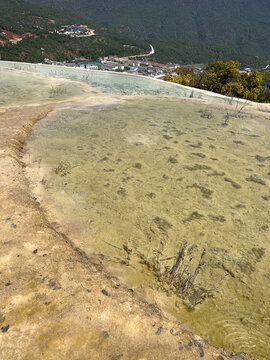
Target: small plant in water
{"type": "Point", "coordinates": [181, 276]}
{"type": "Point", "coordinates": [56, 91]}
{"type": "Point", "coordinates": [207, 114]}
{"type": "Point", "coordinates": [236, 112]}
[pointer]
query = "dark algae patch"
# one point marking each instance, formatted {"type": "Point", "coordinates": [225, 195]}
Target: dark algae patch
{"type": "Point", "coordinates": [255, 178]}
{"type": "Point", "coordinates": [233, 183]}
{"type": "Point", "coordinates": [206, 193]}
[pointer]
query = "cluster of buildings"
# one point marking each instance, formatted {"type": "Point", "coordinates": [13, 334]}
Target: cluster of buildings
{"type": "Point", "coordinates": [113, 63]}
{"type": "Point", "coordinates": [75, 30]}
{"type": "Point", "coordinates": [135, 64]}
{"type": "Point", "coordinates": [131, 66]}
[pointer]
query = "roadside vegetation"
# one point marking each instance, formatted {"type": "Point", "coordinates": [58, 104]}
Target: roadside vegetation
{"type": "Point", "coordinates": [225, 78]}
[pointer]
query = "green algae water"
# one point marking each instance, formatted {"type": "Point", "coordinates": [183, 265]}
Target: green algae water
{"type": "Point", "coordinates": [19, 88]}
{"type": "Point", "coordinates": [124, 84]}
{"type": "Point", "coordinates": [149, 174]}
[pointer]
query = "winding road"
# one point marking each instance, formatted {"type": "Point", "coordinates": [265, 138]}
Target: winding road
{"type": "Point", "coordinates": [152, 51]}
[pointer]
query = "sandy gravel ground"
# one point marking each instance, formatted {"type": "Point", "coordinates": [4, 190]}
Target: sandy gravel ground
{"type": "Point", "coordinates": [57, 303]}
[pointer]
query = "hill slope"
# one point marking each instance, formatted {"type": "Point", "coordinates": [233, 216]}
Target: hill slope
{"type": "Point", "coordinates": [242, 24]}
{"type": "Point", "coordinates": [34, 27]}
{"type": "Point", "coordinates": [30, 27]}
{"type": "Point", "coordinates": [21, 16]}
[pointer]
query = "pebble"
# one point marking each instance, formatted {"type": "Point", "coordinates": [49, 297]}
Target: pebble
{"type": "Point", "coordinates": [201, 352]}
{"type": "Point", "coordinates": [35, 251]}
{"type": "Point", "coordinates": [199, 344]}
{"type": "Point", "coordinates": [198, 341]}
{"type": "Point", "coordinates": [188, 346]}
{"type": "Point", "coordinates": [4, 329]}
{"type": "Point", "coordinates": [159, 330]}
{"type": "Point", "coordinates": [52, 282]}
{"type": "Point", "coordinates": [8, 283]}
{"type": "Point", "coordinates": [172, 332]}
{"type": "Point", "coordinates": [131, 291]}
{"type": "Point", "coordinates": [105, 334]}
{"type": "Point", "coordinates": [105, 292]}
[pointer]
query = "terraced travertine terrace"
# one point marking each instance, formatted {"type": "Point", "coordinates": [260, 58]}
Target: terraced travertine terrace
{"type": "Point", "coordinates": [129, 179]}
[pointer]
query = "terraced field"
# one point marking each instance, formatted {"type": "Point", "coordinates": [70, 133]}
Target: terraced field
{"type": "Point", "coordinates": [127, 211]}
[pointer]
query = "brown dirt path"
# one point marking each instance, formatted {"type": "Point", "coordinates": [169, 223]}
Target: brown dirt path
{"type": "Point", "coordinates": [57, 303]}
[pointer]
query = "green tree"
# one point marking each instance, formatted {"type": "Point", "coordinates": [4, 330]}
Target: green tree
{"type": "Point", "coordinates": [234, 89]}
{"type": "Point", "coordinates": [225, 78]}
{"type": "Point", "coordinates": [252, 84]}
{"type": "Point", "coordinates": [265, 97]}
{"type": "Point", "coordinates": [221, 73]}
{"type": "Point", "coordinates": [181, 75]}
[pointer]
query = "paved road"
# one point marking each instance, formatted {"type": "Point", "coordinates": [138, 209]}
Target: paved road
{"type": "Point", "coordinates": [152, 51]}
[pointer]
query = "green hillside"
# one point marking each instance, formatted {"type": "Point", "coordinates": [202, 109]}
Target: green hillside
{"type": "Point", "coordinates": [241, 24]}
{"type": "Point", "coordinates": [21, 17]}
{"type": "Point", "coordinates": [184, 52]}
{"type": "Point", "coordinates": [38, 23]}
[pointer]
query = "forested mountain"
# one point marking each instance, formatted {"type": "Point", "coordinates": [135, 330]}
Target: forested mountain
{"type": "Point", "coordinates": [242, 24]}
{"type": "Point", "coordinates": [29, 28]}
{"type": "Point", "coordinates": [36, 25]}
{"type": "Point", "coordinates": [21, 16]}
{"type": "Point", "coordinates": [187, 52]}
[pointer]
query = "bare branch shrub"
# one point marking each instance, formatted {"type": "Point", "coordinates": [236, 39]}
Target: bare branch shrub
{"type": "Point", "coordinates": [57, 91]}
{"type": "Point", "coordinates": [207, 114]}
{"type": "Point", "coordinates": [180, 277]}
{"type": "Point", "coordinates": [236, 112]}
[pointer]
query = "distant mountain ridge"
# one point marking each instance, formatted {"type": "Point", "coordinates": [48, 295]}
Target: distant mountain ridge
{"type": "Point", "coordinates": [242, 24]}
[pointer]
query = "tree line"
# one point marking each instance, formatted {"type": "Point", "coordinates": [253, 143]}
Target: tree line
{"type": "Point", "coordinates": [225, 78]}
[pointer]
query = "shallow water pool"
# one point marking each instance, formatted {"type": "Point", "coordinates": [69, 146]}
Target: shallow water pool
{"type": "Point", "coordinates": [119, 83]}
{"type": "Point", "coordinates": [136, 180]}
{"type": "Point", "coordinates": [19, 88]}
